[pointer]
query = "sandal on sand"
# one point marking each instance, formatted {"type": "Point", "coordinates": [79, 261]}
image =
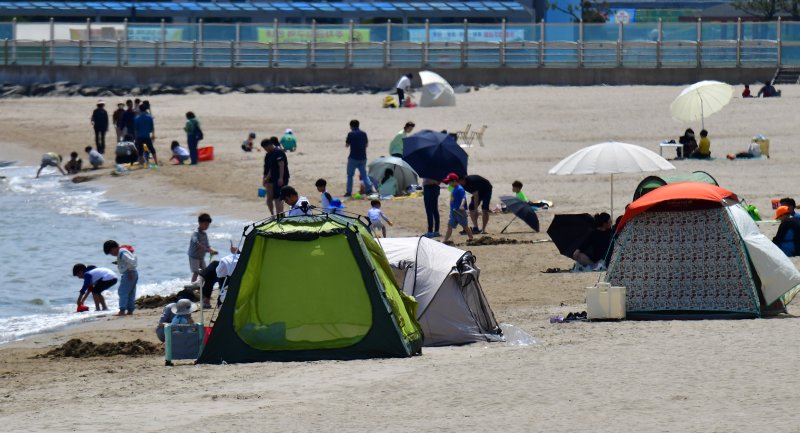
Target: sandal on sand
{"type": "Point", "coordinates": [552, 271]}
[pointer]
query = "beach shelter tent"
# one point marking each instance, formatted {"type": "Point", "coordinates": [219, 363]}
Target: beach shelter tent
{"type": "Point", "coordinates": [436, 91]}
{"type": "Point", "coordinates": [652, 182]}
{"type": "Point", "coordinates": [691, 250]}
{"type": "Point", "coordinates": [312, 287]}
{"type": "Point", "coordinates": [445, 282]}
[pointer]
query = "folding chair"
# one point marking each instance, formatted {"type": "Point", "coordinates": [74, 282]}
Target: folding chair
{"type": "Point", "coordinates": [464, 135]}
{"type": "Point", "coordinates": [182, 342]}
{"type": "Point", "coordinates": [478, 135]}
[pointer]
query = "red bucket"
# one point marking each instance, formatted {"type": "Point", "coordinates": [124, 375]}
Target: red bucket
{"type": "Point", "coordinates": [205, 153]}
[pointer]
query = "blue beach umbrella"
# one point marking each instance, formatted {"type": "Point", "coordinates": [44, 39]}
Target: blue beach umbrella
{"type": "Point", "coordinates": [434, 155]}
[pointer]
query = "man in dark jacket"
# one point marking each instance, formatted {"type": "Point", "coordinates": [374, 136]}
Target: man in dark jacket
{"type": "Point", "coordinates": [100, 124]}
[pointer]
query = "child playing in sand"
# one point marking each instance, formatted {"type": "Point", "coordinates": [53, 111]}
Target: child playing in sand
{"type": "Point", "coordinates": [458, 207]}
{"type": "Point", "coordinates": [183, 312]}
{"type": "Point", "coordinates": [95, 280]}
{"type": "Point", "coordinates": [128, 274]}
{"type": "Point", "coordinates": [247, 144]}
{"type": "Point", "coordinates": [325, 197]}
{"type": "Point", "coordinates": [73, 166]}
{"type": "Point", "coordinates": [288, 141]}
{"type": "Point", "coordinates": [95, 158]}
{"type": "Point", "coordinates": [376, 219]}
{"type": "Point", "coordinates": [179, 154]}
{"type": "Point", "coordinates": [199, 246]}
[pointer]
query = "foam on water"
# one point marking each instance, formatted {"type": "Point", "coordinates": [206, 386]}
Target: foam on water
{"type": "Point", "coordinates": [49, 224]}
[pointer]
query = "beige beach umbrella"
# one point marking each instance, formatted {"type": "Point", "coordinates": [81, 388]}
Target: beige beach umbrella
{"type": "Point", "coordinates": [701, 100]}
{"type": "Point", "coordinates": [611, 158]}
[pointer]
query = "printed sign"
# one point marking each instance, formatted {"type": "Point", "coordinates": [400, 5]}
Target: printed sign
{"type": "Point", "coordinates": [624, 16]}
{"type": "Point", "coordinates": [475, 35]}
{"type": "Point", "coordinates": [267, 35]}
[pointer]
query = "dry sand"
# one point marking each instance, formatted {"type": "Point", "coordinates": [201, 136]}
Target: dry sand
{"type": "Point", "coordinates": [703, 376]}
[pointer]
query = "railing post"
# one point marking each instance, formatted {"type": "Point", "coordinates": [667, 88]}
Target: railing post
{"type": "Point", "coordinates": [156, 60]}
{"type": "Point", "coordinates": [308, 54]}
{"type": "Point", "coordinates": [275, 36]}
{"type": "Point", "coordinates": [233, 54]}
{"type": "Point", "coordinates": [313, 53]}
{"type": "Point", "coordinates": [119, 52]}
{"type": "Point", "coordinates": [351, 40]}
{"type": "Point", "coordinates": [541, 43]}
{"type": "Point", "coordinates": [200, 40]}
{"type": "Point", "coordinates": [52, 41]}
{"type": "Point", "coordinates": [127, 42]}
{"type": "Point", "coordinates": [238, 43]}
{"type": "Point", "coordinates": [5, 52]}
{"type": "Point", "coordinates": [739, 42]}
{"type": "Point", "coordinates": [780, 39]}
{"type": "Point", "coordinates": [89, 41]}
{"type": "Point", "coordinates": [427, 42]}
{"type": "Point", "coordinates": [44, 52]}
{"type": "Point", "coordinates": [465, 45]}
{"type": "Point", "coordinates": [580, 44]}
{"type": "Point", "coordinates": [80, 52]}
{"type": "Point", "coordinates": [659, 42]}
{"type": "Point", "coordinates": [270, 54]}
{"type": "Point", "coordinates": [194, 53]}
{"type": "Point", "coordinates": [503, 43]}
{"type": "Point", "coordinates": [620, 38]}
{"type": "Point", "coordinates": [346, 54]}
{"type": "Point", "coordinates": [13, 41]}
{"type": "Point", "coordinates": [163, 30]}
{"type": "Point", "coordinates": [388, 46]}
{"type": "Point", "coordinates": [699, 54]}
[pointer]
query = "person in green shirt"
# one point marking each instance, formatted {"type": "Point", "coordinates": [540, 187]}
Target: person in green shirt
{"type": "Point", "coordinates": [288, 141]}
{"type": "Point", "coordinates": [396, 146]}
{"type": "Point", "coordinates": [516, 186]}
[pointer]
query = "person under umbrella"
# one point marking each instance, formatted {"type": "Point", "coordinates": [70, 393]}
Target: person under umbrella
{"type": "Point", "coordinates": [591, 253]}
{"type": "Point", "coordinates": [568, 231]}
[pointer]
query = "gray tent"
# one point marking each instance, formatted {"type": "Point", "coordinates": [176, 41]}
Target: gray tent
{"type": "Point", "coordinates": [445, 281]}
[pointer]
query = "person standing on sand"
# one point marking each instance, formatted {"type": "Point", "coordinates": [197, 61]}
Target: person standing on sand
{"type": "Point", "coordinates": [276, 174]}
{"type": "Point", "coordinates": [145, 134]}
{"type": "Point", "coordinates": [403, 86]}
{"type": "Point", "coordinates": [128, 119]}
{"type": "Point", "coordinates": [127, 263]}
{"type": "Point", "coordinates": [193, 135]}
{"type": "Point", "coordinates": [357, 141]}
{"type": "Point", "coordinates": [100, 125]}
{"type": "Point", "coordinates": [396, 146]}
{"type": "Point", "coordinates": [430, 195]}
{"type": "Point", "coordinates": [116, 118]}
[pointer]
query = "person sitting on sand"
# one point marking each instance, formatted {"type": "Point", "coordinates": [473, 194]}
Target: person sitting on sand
{"type": "Point", "coordinates": [247, 144]}
{"type": "Point", "coordinates": [790, 203]}
{"type": "Point", "coordinates": [703, 150]}
{"type": "Point", "coordinates": [746, 92]}
{"type": "Point", "coordinates": [167, 315]}
{"type": "Point", "coordinates": [767, 90]}
{"type": "Point", "coordinates": [753, 151]}
{"type": "Point", "coordinates": [788, 236]}
{"type": "Point", "coordinates": [388, 185]}
{"type": "Point", "coordinates": [288, 141]}
{"type": "Point", "coordinates": [689, 144]}
{"type": "Point", "coordinates": [183, 310]}
{"type": "Point", "coordinates": [95, 280]}
{"type": "Point", "coordinates": [95, 158]}
{"type": "Point", "coordinates": [50, 159]}
{"type": "Point", "coordinates": [179, 154]}
{"type": "Point", "coordinates": [591, 254]}
{"type": "Point", "coordinates": [73, 166]}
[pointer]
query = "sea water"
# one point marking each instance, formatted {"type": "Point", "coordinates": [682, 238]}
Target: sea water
{"type": "Point", "coordinates": [49, 224]}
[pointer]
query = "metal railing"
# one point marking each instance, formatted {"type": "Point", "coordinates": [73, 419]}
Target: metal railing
{"type": "Point", "coordinates": [498, 45]}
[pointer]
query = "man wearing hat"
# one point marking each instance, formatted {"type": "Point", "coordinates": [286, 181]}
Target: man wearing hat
{"type": "Point", "coordinates": [100, 124]}
{"type": "Point", "coordinates": [788, 236]}
{"type": "Point", "coordinates": [288, 142]}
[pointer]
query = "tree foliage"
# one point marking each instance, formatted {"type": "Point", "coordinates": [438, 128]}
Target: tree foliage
{"type": "Point", "coordinates": [768, 9]}
{"type": "Point", "coordinates": [590, 11]}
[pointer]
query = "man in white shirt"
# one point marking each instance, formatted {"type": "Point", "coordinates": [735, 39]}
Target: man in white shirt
{"type": "Point", "coordinates": [298, 205]}
{"type": "Point", "coordinates": [403, 86]}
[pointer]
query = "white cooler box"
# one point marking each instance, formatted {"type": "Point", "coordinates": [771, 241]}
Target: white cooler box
{"type": "Point", "coordinates": [605, 301]}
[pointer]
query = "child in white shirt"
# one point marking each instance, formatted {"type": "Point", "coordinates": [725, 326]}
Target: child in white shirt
{"type": "Point", "coordinates": [376, 218]}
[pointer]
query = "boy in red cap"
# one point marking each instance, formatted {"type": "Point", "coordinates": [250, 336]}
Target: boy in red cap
{"type": "Point", "coordinates": [458, 207]}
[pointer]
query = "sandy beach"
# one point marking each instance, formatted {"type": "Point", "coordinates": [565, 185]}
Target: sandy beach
{"type": "Point", "coordinates": [704, 376]}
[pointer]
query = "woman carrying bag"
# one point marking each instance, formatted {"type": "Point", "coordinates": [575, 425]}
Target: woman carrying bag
{"type": "Point", "coordinates": [193, 135]}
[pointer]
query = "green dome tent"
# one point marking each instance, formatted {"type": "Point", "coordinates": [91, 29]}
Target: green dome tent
{"type": "Point", "coordinates": [652, 182]}
{"type": "Point", "coordinates": [312, 287]}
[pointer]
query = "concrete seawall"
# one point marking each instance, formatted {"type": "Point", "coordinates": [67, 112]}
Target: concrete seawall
{"type": "Point", "coordinates": [385, 78]}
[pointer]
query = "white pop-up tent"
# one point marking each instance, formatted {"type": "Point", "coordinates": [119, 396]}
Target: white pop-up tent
{"type": "Point", "coordinates": [436, 91]}
{"type": "Point", "coordinates": [445, 281]}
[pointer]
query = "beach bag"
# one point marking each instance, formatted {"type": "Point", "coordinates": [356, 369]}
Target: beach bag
{"type": "Point", "coordinates": [198, 133]}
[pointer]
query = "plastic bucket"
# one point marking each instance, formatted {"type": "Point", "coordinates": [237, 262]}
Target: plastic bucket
{"type": "Point", "coordinates": [205, 153]}
{"type": "Point", "coordinates": [262, 192]}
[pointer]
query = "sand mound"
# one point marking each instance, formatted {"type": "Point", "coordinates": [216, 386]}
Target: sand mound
{"type": "Point", "coordinates": [158, 301]}
{"type": "Point", "coordinates": [488, 240]}
{"type": "Point", "coordinates": [77, 348]}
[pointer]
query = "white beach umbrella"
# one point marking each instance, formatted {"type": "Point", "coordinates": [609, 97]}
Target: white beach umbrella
{"type": "Point", "coordinates": [701, 100]}
{"type": "Point", "coordinates": [611, 158]}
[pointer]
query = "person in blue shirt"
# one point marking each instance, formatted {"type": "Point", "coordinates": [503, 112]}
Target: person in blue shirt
{"type": "Point", "coordinates": [145, 133]}
{"type": "Point", "coordinates": [788, 236]}
{"type": "Point", "coordinates": [458, 207]}
{"type": "Point", "coordinates": [790, 203]}
{"type": "Point", "coordinates": [357, 141]}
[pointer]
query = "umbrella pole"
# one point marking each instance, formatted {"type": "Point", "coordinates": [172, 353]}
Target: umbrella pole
{"type": "Point", "coordinates": [702, 115]}
{"type": "Point", "coordinates": [612, 196]}
{"type": "Point", "coordinates": [504, 228]}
